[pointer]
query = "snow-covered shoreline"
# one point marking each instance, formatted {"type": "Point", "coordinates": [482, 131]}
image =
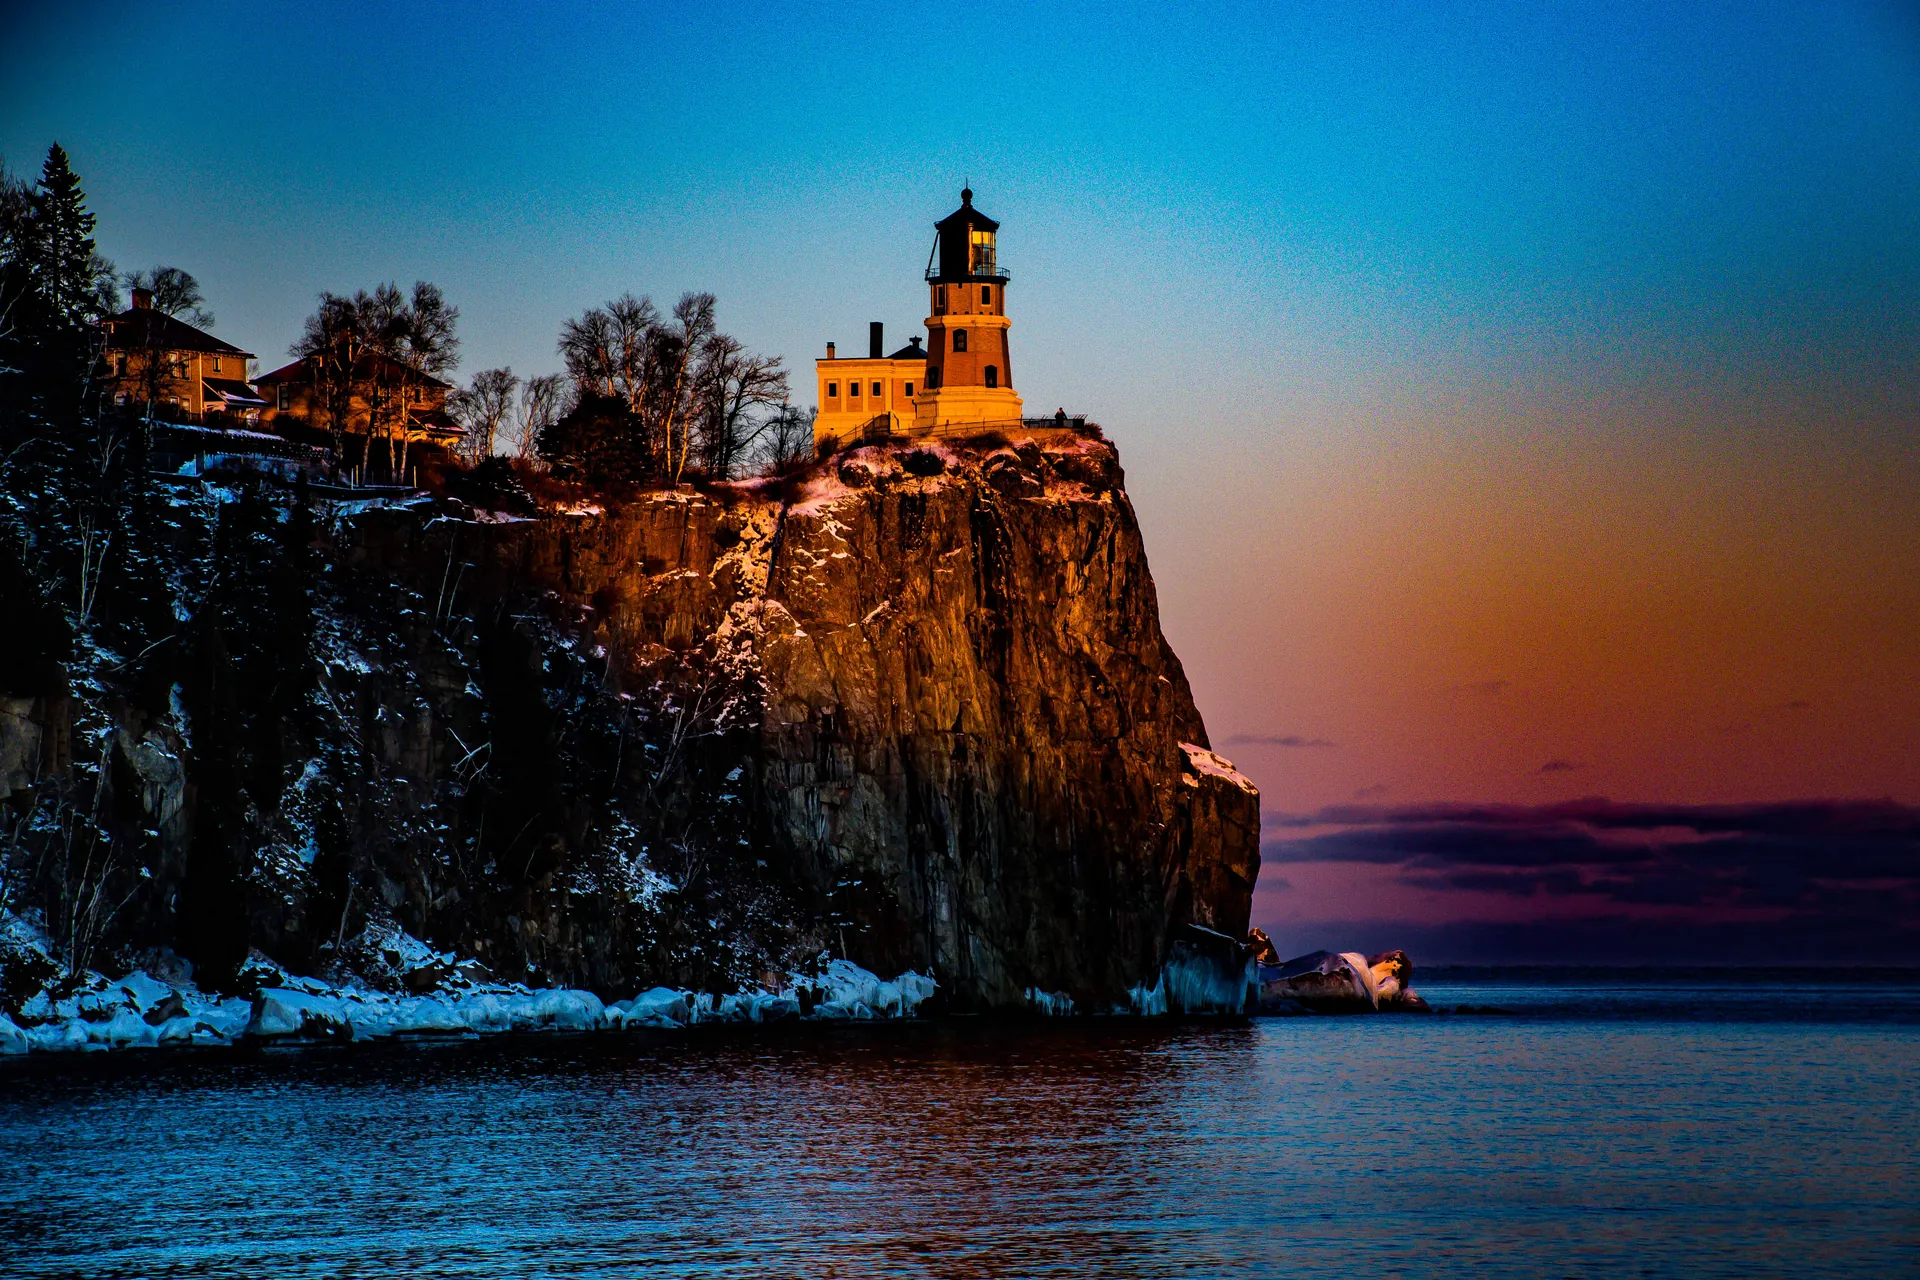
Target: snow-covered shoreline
{"type": "Point", "coordinates": [421, 993]}
{"type": "Point", "coordinates": [141, 1011]}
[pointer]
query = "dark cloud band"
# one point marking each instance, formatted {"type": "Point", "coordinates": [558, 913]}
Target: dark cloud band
{"type": "Point", "coordinates": [1818, 858]}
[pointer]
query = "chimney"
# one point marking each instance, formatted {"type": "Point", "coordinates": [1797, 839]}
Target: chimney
{"type": "Point", "coordinates": [874, 341]}
{"type": "Point", "coordinates": [143, 299]}
{"type": "Point", "coordinates": [829, 351]}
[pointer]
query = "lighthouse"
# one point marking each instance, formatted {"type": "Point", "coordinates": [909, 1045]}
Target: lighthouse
{"type": "Point", "coordinates": [962, 377]}
{"type": "Point", "coordinates": [969, 375]}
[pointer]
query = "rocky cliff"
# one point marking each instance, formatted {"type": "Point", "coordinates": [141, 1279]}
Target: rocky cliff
{"type": "Point", "coordinates": [914, 708]}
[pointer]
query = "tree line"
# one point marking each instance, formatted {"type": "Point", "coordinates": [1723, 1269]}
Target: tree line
{"type": "Point", "coordinates": [646, 396]}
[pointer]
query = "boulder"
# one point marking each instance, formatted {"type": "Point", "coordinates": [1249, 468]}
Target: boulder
{"type": "Point", "coordinates": [1339, 982]}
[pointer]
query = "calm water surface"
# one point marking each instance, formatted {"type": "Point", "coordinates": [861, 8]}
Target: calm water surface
{"type": "Point", "coordinates": [1592, 1127]}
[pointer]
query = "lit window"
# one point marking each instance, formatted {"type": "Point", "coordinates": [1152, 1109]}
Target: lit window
{"type": "Point", "coordinates": [993, 376]}
{"type": "Point", "coordinates": [833, 389]}
{"type": "Point", "coordinates": [876, 389]}
{"type": "Point", "coordinates": [959, 339]}
{"type": "Point", "coordinates": [986, 295]}
{"type": "Point", "coordinates": [906, 390]}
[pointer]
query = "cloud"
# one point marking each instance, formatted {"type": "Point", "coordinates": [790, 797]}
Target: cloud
{"type": "Point", "coordinates": [1276, 740]}
{"type": "Point", "coordinates": [1557, 765]}
{"type": "Point", "coordinates": [1786, 865]}
{"type": "Point", "coordinates": [1373, 792]}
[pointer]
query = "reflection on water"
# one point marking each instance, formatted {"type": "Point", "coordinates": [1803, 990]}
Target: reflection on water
{"type": "Point", "coordinates": [1516, 1146]}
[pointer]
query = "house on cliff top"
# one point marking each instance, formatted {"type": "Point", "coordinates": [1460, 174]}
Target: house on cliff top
{"type": "Point", "coordinates": [964, 376]}
{"type": "Point", "coordinates": [161, 363]}
{"type": "Point", "coordinates": [378, 398]}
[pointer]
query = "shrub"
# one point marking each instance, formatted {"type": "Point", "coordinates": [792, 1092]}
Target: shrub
{"type": "Point", "coordinates": [924, 462]}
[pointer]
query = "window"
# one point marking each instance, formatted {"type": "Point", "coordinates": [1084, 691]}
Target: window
{"type": "Point", "coordinates": [853, 391]}
{"type": "Point", "coordinates": [986, 295]}
{"type": "Point", "coordinates": [877, 390]}
{"type": "Point", "coordinates": [980, 245]}
{"type": "Point", "coordinates": [933, 378]}
{"type": "Point", "coordinates": [216, 364]}
{"type": "Point", "coordinates": [939, 299]}
{"type": "Point", "coordinates": [959, 339]}
{"type": "Point", "coordinates": [121, 367]}
{"type": "Point", "coordinates": [993, 376]}
{"type": "Point", "coordinates": [286, 397]}
{"type": "Point", "coordinates": [833, 390]}
{"type": "Point", "coordinates": [906, 390]}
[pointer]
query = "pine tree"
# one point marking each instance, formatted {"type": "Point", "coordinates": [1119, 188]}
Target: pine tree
{"type": "Point", "coordinates": [67, 265]}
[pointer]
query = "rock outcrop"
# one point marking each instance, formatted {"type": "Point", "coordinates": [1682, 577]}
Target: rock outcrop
{"type": "Point", "coordinates": [914, 709]}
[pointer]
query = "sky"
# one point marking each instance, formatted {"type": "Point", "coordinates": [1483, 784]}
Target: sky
{"type": "Point", "coordinates": [1521, 402]}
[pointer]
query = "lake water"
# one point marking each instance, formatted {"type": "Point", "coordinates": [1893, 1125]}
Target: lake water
{"type": "Point", "coordinates": [1597, 1125]}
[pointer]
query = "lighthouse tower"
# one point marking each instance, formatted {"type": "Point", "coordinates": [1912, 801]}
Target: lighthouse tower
{"type": "Point", "coordinates": [969, 373]}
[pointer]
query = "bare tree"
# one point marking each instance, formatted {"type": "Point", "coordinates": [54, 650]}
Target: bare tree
{"type": "Point", "coordinates": [787, 439]}
{"type": "Point", "coordinates": [695, 394]}
{"type": "Point", "coordinates": [587, 348]}
{"type": "Point", "coordinates": [634, 322]}
{"type": "Point", "coordinates": [540, 406]}
{"type": "Point", "coordinates": [693, 324]}
{"type": "Point", "coordinates": [731, 387]}
{"type": "Point", "coordinates": [16, 244]}
{"type": "Point", "coordinates": [175, 293]}
{"type": "Point", "coordinates": [423, 345]}
{"type": "Point", "coordinates": [157, 366]}
{"type": "Point", "coordinates": [608, 350]}
{"type": "Point", "coordinates": [381, 346]}
{"type": "Point", "coordinates": [484, 408]}
{"type": "Point", "coordinates": [335, 342]}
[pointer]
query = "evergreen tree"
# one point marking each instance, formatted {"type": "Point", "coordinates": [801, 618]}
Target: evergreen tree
{"type": "Point", "coordinates": [602, 441]}
{"type": "Point", "coordinates": [73, 280]}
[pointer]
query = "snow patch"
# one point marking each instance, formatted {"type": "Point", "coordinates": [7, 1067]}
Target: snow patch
{"type": "Point", "coordinates": [1200, 760]}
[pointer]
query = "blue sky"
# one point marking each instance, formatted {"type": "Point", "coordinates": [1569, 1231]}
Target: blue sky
{"type": "Point", "coordinates": [1274, 196]}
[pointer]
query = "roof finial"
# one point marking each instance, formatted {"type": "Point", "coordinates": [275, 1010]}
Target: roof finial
{"type": "Point", "coordinates": [966, 192]}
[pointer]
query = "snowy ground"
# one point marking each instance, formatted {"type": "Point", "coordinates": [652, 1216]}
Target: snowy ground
{"type": "Point", "coordinates": [160, 1006]}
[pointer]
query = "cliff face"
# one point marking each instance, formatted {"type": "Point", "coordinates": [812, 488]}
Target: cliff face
{"type": "Point", "coordinates": [973, 721]}
{"type": "Point", "coordinates": [916, 710]}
